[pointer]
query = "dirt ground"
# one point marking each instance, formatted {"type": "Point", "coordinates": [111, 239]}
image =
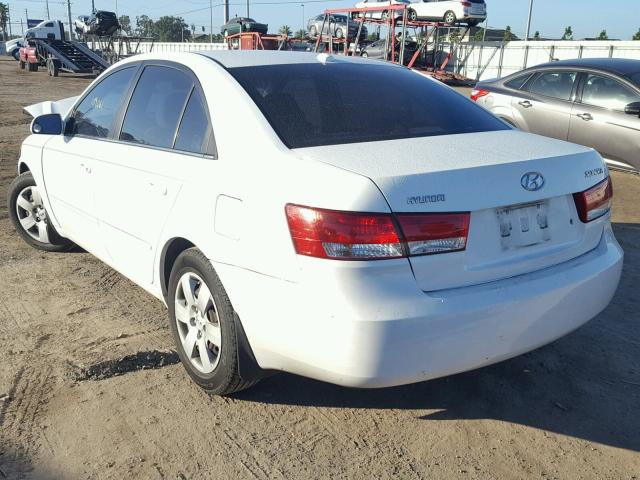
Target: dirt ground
{"type": "Point", "coordinates": [568, 410]}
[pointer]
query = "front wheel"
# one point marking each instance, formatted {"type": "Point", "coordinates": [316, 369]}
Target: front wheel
{"type": "Point", "coordinates": [30, 218]}
{"type": "Point", "coordinates": [203, 326]}
{"type": "Point", "coordinates": [339, 33]}
{"type": "Point", "coordinates": [450, 18]}
{"type": "Point", "coordinates": [413, 15]}
{"type": "Point", "coordinates": [365, 54]}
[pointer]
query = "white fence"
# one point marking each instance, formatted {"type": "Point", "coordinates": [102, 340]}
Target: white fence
{"type": "Point", "coordinates": [482, 60]}
{"type": "Point", "coordinates": [178, 47]}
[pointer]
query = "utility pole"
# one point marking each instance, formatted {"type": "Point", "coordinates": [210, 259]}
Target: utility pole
{"type": "Point", "coordinates": [226, 11]}
{"type": "Point", "coordinates": [93, 6]}
{"type": "Point", "coordinates": [529, 20]}
{"type": "Point", "coordinates": [70, 21]}
{"type": "Point", "coordinates": [9, 20]}
{"type": "Point", "coordinates": [47, 4]}
{"type": "Point", "coordinates": [211, 21]}
{"type": "Point", "coordinates": [22, 27]}
{"type": "Point", "coordinates": [248, 8]}
{"type": "Point", "coordinates": [302, 5]}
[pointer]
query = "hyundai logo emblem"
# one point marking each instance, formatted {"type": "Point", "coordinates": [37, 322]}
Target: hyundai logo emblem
{"type": "Point", "coordinates": [532, 181]}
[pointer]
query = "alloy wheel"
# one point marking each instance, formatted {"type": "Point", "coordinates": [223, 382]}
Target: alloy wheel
{"type": "Point", "coordinates": [32, 214]}
{"type": "Point", "coordinates": [198, 323]}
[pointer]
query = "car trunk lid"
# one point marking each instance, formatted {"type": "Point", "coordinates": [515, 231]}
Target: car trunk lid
{"type": "Point", "coordinates": [512, 230]}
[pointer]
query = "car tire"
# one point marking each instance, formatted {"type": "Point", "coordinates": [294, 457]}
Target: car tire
{"type": "Point", "coordinates": [30, 218]}
{"type": "Point", "coordinates": [55, 67]}
{"type": "Point", "coordinates": [32, 67]}
{"type": "Point", "coordinates": [413, 15]}
{"type": "Point", "coordinates": [449, 18]}
{"type": "Point", "coordinates": [22, 64]}
{"type": "Point", "coordinates": [200, 322]}
{"type": "Point", "coordinates": [313, 31]}
{"type": "Point", "coordinates": [365, 55]}
{"type": "Point", "coordinates": [339, 33]}
{"type": "Point", "coordinates": [385, 15]}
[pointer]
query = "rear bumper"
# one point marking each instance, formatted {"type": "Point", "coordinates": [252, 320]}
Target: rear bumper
{"type": "Point", "coordinates": [379, 329]}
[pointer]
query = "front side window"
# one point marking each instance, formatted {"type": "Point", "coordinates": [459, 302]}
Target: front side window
{"type": "Point", "coordinates": [194, 131]}
{"type": "Point", "coordinates": [605, 92]}
{"type": "Point", "coordinates": [156, 106]}
{"type": "Point", "coordinates": [94, 116]}
{"type": "Point", "coordinates": [553, 84]}
{"type": "Point", "coordinates": [313, 104]}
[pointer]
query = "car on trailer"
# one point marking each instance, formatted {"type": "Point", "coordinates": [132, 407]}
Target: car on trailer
{"type": "Point", "coordinates": [336, 25]}
{"type": "Point", "coordinates": [451, 12]}
{"type": "Point", "coordinates": [367, 226]}
{"type": "Point", "coordinates": [593, 102]}
{"type": "Point", "coordinates": [12, 47]}
{"type": "Point", "coordinates": [243, 25]}
{"type": "Point", "coordinates": [378, 50]}
{"type": "Point", "coordinates": [101, 23]}
{"type": "Point", "coordinates": [381, 14]}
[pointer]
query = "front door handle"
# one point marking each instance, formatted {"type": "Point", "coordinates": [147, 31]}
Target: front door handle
{"type": "Point", "coordinates": [526, 104]}
{"type": "Point", "coordinates": [86, 168]}
{"type": "Point", "coordinates": [585, 116]}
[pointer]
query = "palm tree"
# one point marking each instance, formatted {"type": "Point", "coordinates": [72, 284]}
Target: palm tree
{"type": "Point", "coordinates": [4, 17]}
{"type": "Point", "coordinates": [302, 33]}
{"type": "Point", "coordinates": [285, 30]}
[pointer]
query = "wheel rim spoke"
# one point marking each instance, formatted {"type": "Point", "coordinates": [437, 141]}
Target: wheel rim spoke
{"type": "Point", "coordinates": [189, 342]}
{"type": "Point", "coordinates": [43, 233]}
{"type": "Point", "coordinates": [182, 312]}
{"type": "Point", "coordinates": [28, 222]}
{"type": "Point", "coordinates": [24, 203]}
{"type": "Point", "coordinates": [205, 355]}
{"type": "Point", "coordinates": [187, 290]}
{"type": "Point", "coordinates": [37, 199]}
{"type": "Point", "coordinates": [213, 335]}
{"type": "Point", "coordinates": [204, 296]}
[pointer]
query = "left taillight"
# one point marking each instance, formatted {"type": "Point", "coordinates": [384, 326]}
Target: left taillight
{"type": "Point", "coordinates": [341, 235]}
{"type": "Point", "coordinates": [477, 93]}
{"type": "Point", "coordinates": [595, 202]}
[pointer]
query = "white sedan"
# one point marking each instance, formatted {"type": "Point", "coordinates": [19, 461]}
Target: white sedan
{"type": "Point", "coordinates": [471, 12]}
{"type": "Point", "coordinates": [296, 214]}
{"type": "Point", "coordinates": [380, 5]}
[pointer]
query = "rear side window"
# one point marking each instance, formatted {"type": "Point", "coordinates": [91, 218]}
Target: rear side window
{"type": "Point", "coordinates": [194, 131]}
{"type": "Point", "coordinates": [553, 84]}
{"type": "Point", "coordinates": [156, 106]}
{"type": "Point", "coordinates": [94, 116]}
{"type": "Point", "coordinates": [606, 92]}
{"type": "Point", "coordinates": [314, 104]}
{"type": "Point", "coordinates": [517, 82]}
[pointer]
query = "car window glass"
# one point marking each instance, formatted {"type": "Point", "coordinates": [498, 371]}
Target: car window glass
{"type": "Point", "coordinates": [517, 82]}
{"type": "Point", "coordinates": [193, 132]}
{"type": "Point", "coordinates": [553, 84]}
{"type": "Point", "coordinates": [50, 24]}
{"type": "Point", "coordinates": [156, 105]}
{"type": "Point", "coordinates": [94, 115]}
{"type": "Point", "coordinates": [607, 93]}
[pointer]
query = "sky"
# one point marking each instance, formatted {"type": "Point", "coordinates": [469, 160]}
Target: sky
{"type": "Point", "coordinates": [550, 17]}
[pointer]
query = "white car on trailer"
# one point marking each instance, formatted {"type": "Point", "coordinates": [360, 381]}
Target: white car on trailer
{"type": "Point", "coordinates": [297, 214]}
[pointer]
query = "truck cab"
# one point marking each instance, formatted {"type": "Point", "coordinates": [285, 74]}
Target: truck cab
{"type": "Point", "coordinates": [48, 29]}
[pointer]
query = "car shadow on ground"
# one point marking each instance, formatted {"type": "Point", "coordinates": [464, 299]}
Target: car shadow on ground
{"type": "Point", "coordinates": [585, 385]}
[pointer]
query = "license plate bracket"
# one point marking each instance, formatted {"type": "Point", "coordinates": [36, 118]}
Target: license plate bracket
{"type": "Point", "coordinates": [523, 225]}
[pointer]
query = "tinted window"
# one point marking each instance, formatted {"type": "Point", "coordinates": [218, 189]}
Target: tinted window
{"type": "Point", "coordinates": [607, 93]}
{"type": "Point", "coordinates": [517, 82]}
{"type": "Point", "coordinates": [193, 134]}
{"type": "Point", "coordinates": [553, 84]}
{"type": "Point", "coordinates": [315, 104]}
{"type": "Point", "coordinates": [155, 107]}
{"type": "Point", "coordinates": [94, 116]}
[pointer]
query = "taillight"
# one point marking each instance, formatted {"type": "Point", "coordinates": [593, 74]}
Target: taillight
{"type": "Point", "coordinates": [429, 233]}
{"type": "Point", "coordinates": [476, 93]}
{"type": "Point", "coordinates": [369, 236]}
{"type": "Point", "coordinates": [595, 202]}
{"type": "Point", "coordinates": [465, 4]}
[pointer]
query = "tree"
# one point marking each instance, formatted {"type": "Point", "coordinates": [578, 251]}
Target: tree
{"type": "Point", "coordinates": [568, 34]}
{"type": "Point", "coordinates": [144, 26]}
{"type": "Point", "coordinates": [455, 37]}
{"type": "Point", "coordinates": [302, 33]}
{"type": "Point", "coordinates": [637, 35]}
{"type": "Point", "coordinates": [373, 36]}
{"type": "Point", "coordinates": [508, 34]}
{"type": "Point", "coordinates": [479, 35]}
{"type": "Point", "coordinates": [536, 36]}
{"type": "Point", "coordinates": [4, 18]}
{"type": "Point", "coordinates": [125, 24]}
{"type": "Point", "coordinates": [603, 35]}
{"type": "Point", "coordinates": [285, 30]}
{"type": "Point", "coordinates": [171, 29]}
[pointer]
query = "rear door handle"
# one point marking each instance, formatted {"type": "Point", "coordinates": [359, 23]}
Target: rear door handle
{"type": "Point", "coordinates": [585, 116]}
{"type": "Point", "coordinates": [526, 104]}
{"type": "Point", "coordinates": [86, 168]}
{"type": "Point", "coordinates": [161, 189]}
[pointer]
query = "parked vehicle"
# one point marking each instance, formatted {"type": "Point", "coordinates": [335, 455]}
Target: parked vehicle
{"type": "Point", "coordinates": [101, 24]}
{"type": "Point", "coordinates": [377, 50]}
{"type": "Point", "coordinates": [243, 24]}
{"type": "Point", "coordinates": [338, 25]}
{"type": "Point", "coordinates": [451, 12]}
{"type": "Point", "coordinates": [334, 235]}
{"type": "Point", "coordinates": [49, 29]}
{"type": "Point", "coordinates": [382, 14]}
{"type": "Point", "coordinates": [593, 102]}
{"type": "Point", "coordinates": [12, 47]}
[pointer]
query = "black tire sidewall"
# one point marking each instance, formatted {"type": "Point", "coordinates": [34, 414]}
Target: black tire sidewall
{"type": "Point", "coordinates": [58, 243]}
{"type": "Point", "coordinates": [216, 382]}
{"type": "Point", "coordinates": [447, 13]}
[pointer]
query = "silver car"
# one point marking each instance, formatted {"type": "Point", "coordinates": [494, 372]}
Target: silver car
{"type": "Point", "coordinates": [338, 25]}
{"type": "Point", "coordinates": [593, 102]}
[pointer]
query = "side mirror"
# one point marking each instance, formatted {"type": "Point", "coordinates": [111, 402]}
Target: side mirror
{"type": "Point", "coordinates": [49, 124]}
{"type": "Point", "coordinates": [633, 109]}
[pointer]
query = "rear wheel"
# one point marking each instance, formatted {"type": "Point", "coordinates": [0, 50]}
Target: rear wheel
{"type": "Point", "coordinates": [32, 67]}
{"type": "Point", "coordinates": [203, 325]}
{"type": "Point", "coordinates": [339, 33]}
{"type": "Point", "coordinates": [385, 15]}
{"type": "Point", "coordinates": [413, 15]}
{"type": "Point", "coordinates": [30, 218]}
{"type": "Point", "coordinates": [313, 31]}
{"type": "Point", "coordinates": [449, 18]}
{"type": "Point", "coordinates": [22, 65]}
{"type": "Point", "coordinates": [365, 54]}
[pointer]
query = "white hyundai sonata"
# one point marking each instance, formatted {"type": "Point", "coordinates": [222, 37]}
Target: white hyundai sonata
{"type": "Point", "coordinates": [343, 219]}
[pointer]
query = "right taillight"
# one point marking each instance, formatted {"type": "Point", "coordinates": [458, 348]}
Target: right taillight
{"type": "Point", "coordinates": [595, 202]}
{"type": "Point", "coordinates": [342, 235]}
{"type": "Point", "coordinates": [477, 93]}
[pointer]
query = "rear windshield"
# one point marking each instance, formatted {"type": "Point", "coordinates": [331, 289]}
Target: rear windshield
{"type": "Point", "coordinates": [314, 104]}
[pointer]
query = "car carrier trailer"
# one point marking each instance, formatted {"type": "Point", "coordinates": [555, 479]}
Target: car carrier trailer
{"type": "Point", "coordinates": [61, 56]}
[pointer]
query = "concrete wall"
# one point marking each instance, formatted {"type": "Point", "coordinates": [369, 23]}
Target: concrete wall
{"type": "Point", "coordinates": [482, 60]}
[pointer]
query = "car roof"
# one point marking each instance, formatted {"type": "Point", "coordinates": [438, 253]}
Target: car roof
{"type": "Point", "coordinates": [619, 66]}
{"type": "Point", "coordinates": [254, 58]}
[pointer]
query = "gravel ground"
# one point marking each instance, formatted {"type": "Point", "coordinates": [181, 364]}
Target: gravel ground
{"type": "Point", "coordinates": [89, 387]}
